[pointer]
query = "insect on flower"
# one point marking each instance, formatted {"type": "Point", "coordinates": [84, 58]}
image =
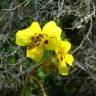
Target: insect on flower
{"type": "Point", "coordinates": [38, 41]}
{"type": "Point", "coordinates": [49, 38]}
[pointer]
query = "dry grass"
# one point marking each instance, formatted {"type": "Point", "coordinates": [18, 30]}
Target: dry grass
{"type": "Point", "coordinates": [79, 17]}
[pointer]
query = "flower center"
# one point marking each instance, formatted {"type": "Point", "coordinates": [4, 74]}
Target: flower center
{"type": "Point", "coordinates": [61, 53]}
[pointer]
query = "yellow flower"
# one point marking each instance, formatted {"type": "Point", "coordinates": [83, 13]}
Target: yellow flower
{"type": "Point", "coordinates": [37, 41]}
{"type": "Point", "coordinates": [64, 57]}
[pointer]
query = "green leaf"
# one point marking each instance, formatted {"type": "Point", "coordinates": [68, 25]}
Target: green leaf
{"type": "Point", "coordinates": [11, 60]}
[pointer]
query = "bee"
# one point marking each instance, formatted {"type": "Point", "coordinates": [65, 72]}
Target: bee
{"type": "Point", "coordinates": [36, 41]}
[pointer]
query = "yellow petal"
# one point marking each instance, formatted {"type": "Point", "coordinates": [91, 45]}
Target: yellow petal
{"type": "Point", "coordinates": [52, 30]}
{"type": "Point", "coordinates": [69, 59]}
{"type": "Point", "coordinates": [23, 37]}
{"type": "Point", "coordinates": [63, 69]}
{"type": "Point", "coordinates": [49, 26]}
{"type": "Point", "coordinates": [63, 48]}
{"type": "Point", "coordinates": [35, 27]}
{"type": "Point", "coordinates": [66, 45]}
{"type": "Point", "coordinates": [51, 43]}
{"type": "Point", "coordinates": [36, 53]}
{"type": "Point", "coordinates": [52, 34]}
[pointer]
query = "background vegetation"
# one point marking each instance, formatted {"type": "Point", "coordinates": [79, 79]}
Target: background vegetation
{"type": "Point", "coordinates": [77, 18]}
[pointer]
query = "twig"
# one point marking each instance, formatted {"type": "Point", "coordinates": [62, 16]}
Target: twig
{"type": "Point", "coordinates": [87, 35]}
{"type": "Point", "coordinates": [33, 70]}
{"type": "Point", "coordinates": [41, 86]}
{"type": "Point", "coordinates": [61, 6]}
{"type": "Point", "coordinates": [11, 9]}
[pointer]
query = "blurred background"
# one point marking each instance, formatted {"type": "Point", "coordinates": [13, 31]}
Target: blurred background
{"type": "Point", "coordinates": [77, 18]}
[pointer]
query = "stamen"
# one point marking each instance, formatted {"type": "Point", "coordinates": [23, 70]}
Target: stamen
{"type": "Point", "coordinates": [61, 58]}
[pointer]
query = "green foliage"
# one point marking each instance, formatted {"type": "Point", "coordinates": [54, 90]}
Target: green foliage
{"type": "Point", "coordinates": [12, 60]}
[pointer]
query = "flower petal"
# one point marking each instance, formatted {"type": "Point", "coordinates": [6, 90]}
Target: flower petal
{"type": "Point", "coordinates": [51, 44]}
{"type": "Point", "coordinates": [49, 26]}
{"type": "Point", "coordinates": [63, 69]}
{"type": "Point", "coordinates": [23, 37]}
{"type": "Point", "coordinates": [52, 34]}
{"type": "Point", "coordinates": [35, 27]}
{"type": "Point", "coordinates": [52, 30]}
{"type": "Point", "coordinates": [36, 53]}
{"type": "Point", "coordinates": [66, 45]}
{"type": "Point", "coordinates": [69, 59]}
